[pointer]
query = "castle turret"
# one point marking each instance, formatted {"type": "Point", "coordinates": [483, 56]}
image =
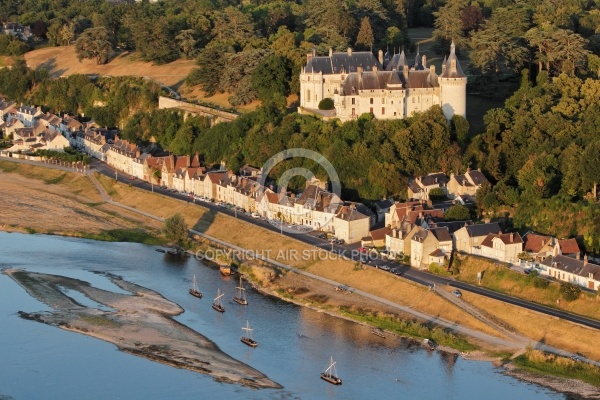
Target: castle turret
{"type": "Point", "coordinates": [453, 87]}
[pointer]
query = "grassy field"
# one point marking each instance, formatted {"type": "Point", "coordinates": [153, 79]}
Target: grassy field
{"type": "Point", "coordinates": [537, 361]}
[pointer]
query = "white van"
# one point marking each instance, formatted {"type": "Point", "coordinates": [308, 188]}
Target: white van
{"type": "Point", "coordinates": [255, 215]}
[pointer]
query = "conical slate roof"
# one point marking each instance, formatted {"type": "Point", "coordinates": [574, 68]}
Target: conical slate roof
{"type": "Point", "coordinates": [453, 69]}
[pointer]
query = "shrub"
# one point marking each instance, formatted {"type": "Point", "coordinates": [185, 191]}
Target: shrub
{"type": "Point", "coordinates": [326, 104]}
{"type": "Point", "coordinates": [437, 194]}
{"type": "Point", "coordinates": [569, 292]}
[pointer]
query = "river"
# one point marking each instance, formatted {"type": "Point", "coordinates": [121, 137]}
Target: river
{"type": "Point", "coordinates": [39, 361]}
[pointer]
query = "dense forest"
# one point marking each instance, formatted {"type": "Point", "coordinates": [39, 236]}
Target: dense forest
{"type": "Point", "coordinates": [230, 38]}
{"type": "Point", "coordinates": [541, 151]}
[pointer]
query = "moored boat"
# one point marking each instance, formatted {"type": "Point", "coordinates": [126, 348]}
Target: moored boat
{"type": "Point", "coordinates": [240, 295]}
{"type": "Point", "coordinates": [218, 302]}
{"type": "Point", "coordinates": [225, 270]}
{"type": "Point", "coordinates": [247, 337]}
{"type": "Point", "coordinates": [194, 290]}
{"type": "Point", "coordinates": [330, 374]}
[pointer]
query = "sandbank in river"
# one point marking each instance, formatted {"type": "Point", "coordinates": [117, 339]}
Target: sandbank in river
{"type": "Point", "coordinates": [139, 323]}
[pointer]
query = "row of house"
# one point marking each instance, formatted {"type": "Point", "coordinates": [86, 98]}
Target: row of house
{"type": "Point", "coordinates": [410, 228]}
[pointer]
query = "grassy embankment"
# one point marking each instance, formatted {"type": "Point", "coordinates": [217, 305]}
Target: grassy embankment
{"type": "Point", "coordinates": [536, 361]}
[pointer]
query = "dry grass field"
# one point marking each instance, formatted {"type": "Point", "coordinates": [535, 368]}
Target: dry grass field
{"type": "Point", "coordinates": [37, 199]}
{"type": "Point", "coordinates": [62, 61]}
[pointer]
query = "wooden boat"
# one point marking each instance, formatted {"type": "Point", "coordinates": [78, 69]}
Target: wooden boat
{"type": "Point", "coordinates": [247, 337]}
{"type": "Point", "coordinates": [194, 290]}
{"type": "Point", "coordinates": [225, 270]}
{"type": "Point", "coordinates": [330, 374]}
{"type": "Point", "coordinates": [218, 302]}
{"type": "Point", "coordinates": [240, 294]}
{"type": "Point", "coordinates": [378, 332]}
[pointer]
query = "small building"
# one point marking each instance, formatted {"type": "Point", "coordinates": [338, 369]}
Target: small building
{"type": "Point", "coordinates": [567, 247]}
{"type": "Point", "coordinates": [573, 270]}
{"type": "Point", "coordinates": [466, 184]}
{"type": "Point", "coordinates": [419, 187]}
{"type": "Point", "coordinates": [504, 247]}
{"type": "Point", "coordinates": [469, 238]}
{"type": "Point", "coordinates": [349, 224]}
{"type": "Point", "coordinates": [538, 246]}
{"type": "Point", "coordinates": [430, 246]}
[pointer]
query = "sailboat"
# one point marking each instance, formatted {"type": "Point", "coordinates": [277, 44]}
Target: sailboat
{"type": "Point", "coordinates": [247, 337]}
{"type": "Point", "coordinates": [330, 374]}
{"type": "Point", "coordinates": [240, 294]}
{"type": "Point", "coordinates": [194, 290]}
{"type": "Point", "coordinates": [218, 303]}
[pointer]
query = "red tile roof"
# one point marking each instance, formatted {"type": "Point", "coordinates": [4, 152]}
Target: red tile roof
{"type": "Point", "coordinates": [568, 246]}
{"type": "Point", "coordinates": [535, 242]}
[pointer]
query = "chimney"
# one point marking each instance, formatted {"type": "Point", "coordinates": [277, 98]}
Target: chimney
{"type": "Point", "coordinates": [375, 69]}
{"type": "Point", "coordinates": [405, 71]}
{"type": "Point", "coordinates": [424, 61]}
{"type": "Point", "coordinates": [330, 52]}
{"type": "Point", "coordinates": [511, 237]}
{"type": "Point", "coordinates": [349, 51]}
{"type": "Point", "coordinates": [585, 260]}
{"type": "Point", "coordinates": [432, 70]}
{"type": "Point", "coordinates": [308, 57]}
{"type": "Point", "coordinates": [380, 57]}
{"type": "Point", "coordinates": [577, 256]}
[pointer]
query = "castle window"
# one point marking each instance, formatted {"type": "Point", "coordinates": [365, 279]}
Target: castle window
{"type": "Point", "coordinates": [382, 110]}
{"type": "Point", "coordinates": [353, 101]}
{"type": "Point", "coordinates": [371, 100]}
{"type": "Point", "coordinates": [371, 110]}
{"type": "Point", "coordinates": [394, 113]}
{"type": "Point", "coordinates": [308, 95]}
{"type": "Point", "coordinates": [354, 111]}
{"type": "Point", "coordinates": [383, 100]}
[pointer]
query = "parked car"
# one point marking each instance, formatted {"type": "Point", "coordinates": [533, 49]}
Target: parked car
{"type": "Point", "coordinates": [362, 250]}
{"type": "Point", "coordinates": [383, 267]}
{"type": "Point", "coordinates": [322, 236]}
{"type": "Point", "coordinates": [457, 293]}
{"type": "Point", "coordinates": [255, 215]}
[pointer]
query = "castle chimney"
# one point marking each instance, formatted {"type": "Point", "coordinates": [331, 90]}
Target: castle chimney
{"type": "Point", "coordinates": [511, 237]}
{"type": "Point", "coordinates": [424, 60]}
{"type": "Point", "coordinates": [432, 70]}
{"type": "Point", "coordinates": [308, 57]}
{"type": "Point", "coordinates": [375, 69]}
{"type": "Point", "coordinates": [405, 71]}
{"type": "Point", "coordinates": [349, 51]}
{"type": "Point", "coordinates": [577, 256]}
{"type": "Point", "coordinates": [330, 52]}
{"type": "Point", "coordinates": [380, 57]}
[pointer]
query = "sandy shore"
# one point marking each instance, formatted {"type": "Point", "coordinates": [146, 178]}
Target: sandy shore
{"type": "Point", "coordinates": [139, 324]}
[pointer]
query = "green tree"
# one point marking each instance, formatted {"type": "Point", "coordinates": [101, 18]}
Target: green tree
{"type": "Point", "coordinates": [448, 26]}
{"type": "Point", "coordinates": [437, 194]}
{"type": "Point", "coordinates": [500, 43]}
{"type": "Point", "coordinates": [187, 43]}
{"type": "Point", "coordinates": [590, 160]}
{"type": "Point", "coordinates": [365, 36]}
{"type": "Point", "coordinates": [94, 44]}
{"type": "Point", "coordinates": [271, 78]}
{"type": "Point", "coordinates": [569, 291]}
{"type": "Point", "coordinates": [175, 230]}
{"type": "Point", "coordinates": [457, 212]}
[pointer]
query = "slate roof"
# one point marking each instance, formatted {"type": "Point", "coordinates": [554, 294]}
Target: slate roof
{"type": "Point", "coordinates": [452, 226]}
{"type": "Point", "coordinates": [383, 204]}
{"type": "Point", "coordinates": [436, 178]}
{"type": "Point", "coordinates": [450, 72]}
{"type": "Point", "coordinates": [441, 234]}
{"type": "Point", "coordinates": [483, 229]}
{"type": "Point", "coordinates": [477, 177]}
{"type": "Point", "coordinates": [567, 264]}
{"type": "Point", "coordinates": [438, 253]}
{"type": "Point", "coordinates": [398, 61]}
{"type": "Point", "coordinates": [374, 80]}
{"type": "Point", "coordinates": [346, 62]}
{"type": "Point", "coordinates": [350, 213]}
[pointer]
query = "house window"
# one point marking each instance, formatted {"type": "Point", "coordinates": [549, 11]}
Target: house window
{"type": "Point", "coordinates": [371, 100]}
{"type": "Point", "coordinates": [382, 110]}
{"type": "Point", "coordinates": [354, 111]}
{"type": "Point", "coordinates": [353, 101]}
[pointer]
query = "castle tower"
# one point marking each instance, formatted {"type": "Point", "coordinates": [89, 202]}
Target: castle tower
{"type": "Point", "coordinates": [453, 87]}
